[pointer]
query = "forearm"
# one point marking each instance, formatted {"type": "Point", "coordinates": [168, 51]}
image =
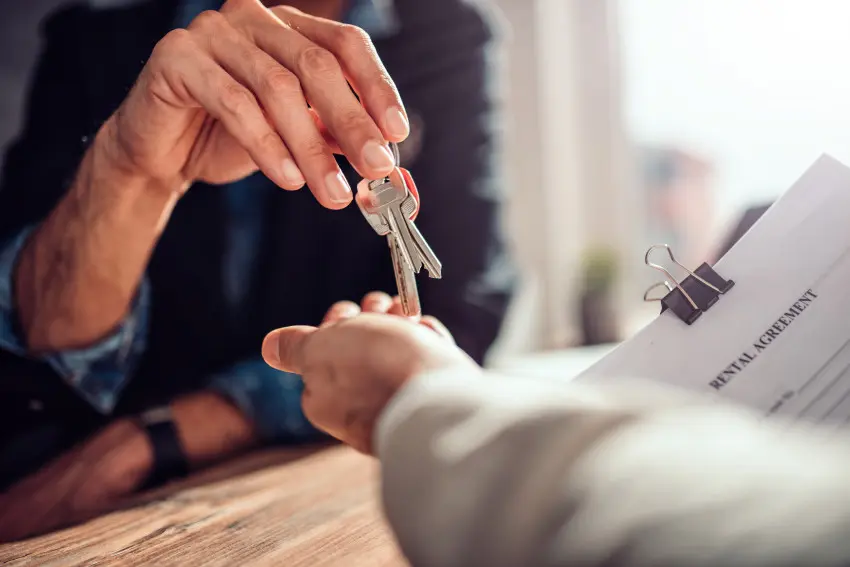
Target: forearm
{"type": "Point", "coordinates": [557, 474]}
{"type": "Point", "coordinates": [78, 274]}
{"type": "Point", "coordinates": [209, 427]}
{"type": "Point", "coordinates": [108, 468]}
{"type": "Point", "coordinates": [244, 406]}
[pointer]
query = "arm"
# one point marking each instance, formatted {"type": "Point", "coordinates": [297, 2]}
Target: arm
{"type": "Point", "coordinates": [50, 297]}
{"type": "Point", "coordinates": [75, 277]}
{"type": "Point", "coordinates": [35, 174]}
{"type": "Point", "coordinates": [458, 176]}
{"type": "Point", "coordinates": [248, 405]}
{"type": "Point", "coordinates": [268, 399]}
{"type": "Point", "coordinates": [487, 470]}
{"type": "Point", "coordinates": [101, 473]}
{"type": "Point", "coordinates": [214, 102]}
{"type": "Point", "coordinates": [97, 372]}
{"type": "Point", "coordinates": [560, 474]}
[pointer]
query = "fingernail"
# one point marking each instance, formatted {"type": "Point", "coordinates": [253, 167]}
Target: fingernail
{"type": "Point", "coordinates": [271, 349]}
{"type": "Point", "coordinates": [337, 188]}
{"type": "Point", "coordinates": [378, 156]}
{"type": "Point", "coordinates": [291, 173]}
{"type": "Point", "coordinates": [396, 123]}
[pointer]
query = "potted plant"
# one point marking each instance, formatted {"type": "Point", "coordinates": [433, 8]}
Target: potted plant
{"type": "Point", "coordinates": [598, 317]}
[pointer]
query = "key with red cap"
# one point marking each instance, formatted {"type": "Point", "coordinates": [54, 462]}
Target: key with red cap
{"type": "Point", "coordinates": [389, 206]}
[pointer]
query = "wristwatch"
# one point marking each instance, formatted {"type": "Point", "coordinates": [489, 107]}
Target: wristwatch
{"type": "Point", "coordinates": [169, 459]}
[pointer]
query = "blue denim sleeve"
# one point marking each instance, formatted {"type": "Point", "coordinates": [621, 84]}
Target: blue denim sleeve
{"type": "Point", "coordinates": [98, 372]}
{"type": "Point", "coordinates": [270, 398]}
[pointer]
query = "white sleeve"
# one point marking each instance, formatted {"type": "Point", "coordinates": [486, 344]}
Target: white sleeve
{"type": "Point", "coordinates": [497, 471]}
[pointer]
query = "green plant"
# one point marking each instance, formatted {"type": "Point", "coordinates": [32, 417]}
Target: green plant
{"type": "Point", "coordinates": [599, 270]}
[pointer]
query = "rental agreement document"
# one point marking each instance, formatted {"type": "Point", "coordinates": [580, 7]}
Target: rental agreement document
{"type": "Point", "coordinates": [779, 340]}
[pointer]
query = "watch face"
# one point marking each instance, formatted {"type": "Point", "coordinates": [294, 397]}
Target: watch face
{"type": "Point", "coordinates": [157, 415]}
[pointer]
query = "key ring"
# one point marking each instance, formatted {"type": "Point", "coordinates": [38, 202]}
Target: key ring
{"type": "Point", "coordinates": [396, 153]}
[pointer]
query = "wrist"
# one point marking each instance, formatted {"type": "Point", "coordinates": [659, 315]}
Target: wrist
{"type": "Point", "coordinates": [170, 461]}
{"type": "Point", "coordinates": [136, 199]}
{"type": "Point", "coordinates": [125, 454]}
{"type": "Point", "coordinates": [211, 428]}
{"type": "Point", "coordinates": [115, 162]}
{"type": "Point", "coordinates": [421, 391]}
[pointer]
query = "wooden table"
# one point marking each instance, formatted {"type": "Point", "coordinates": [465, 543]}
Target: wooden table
{"type": "Point", "coordinates": [314, 507]}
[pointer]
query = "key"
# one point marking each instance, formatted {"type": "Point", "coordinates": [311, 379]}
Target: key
{"type": "Point", "coordinates": [412, 237]}
{"type": "Point", "coordinates": [388, 205]}
{"type": "Point", "coordinates": [374, 203]}
{"type": "Point", "coordinates": [380, 202]}
{"type": "Point", "coordinates": [426, 254]}
{"type": "Point", "coordinates": [405, 280]}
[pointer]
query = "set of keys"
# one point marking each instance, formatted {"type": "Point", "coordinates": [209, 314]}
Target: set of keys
{"type": "Point", "coordinates": [389, 206]}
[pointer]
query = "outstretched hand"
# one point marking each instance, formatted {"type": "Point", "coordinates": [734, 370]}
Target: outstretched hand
{"type": "Point", "coordinates": [356, 361]}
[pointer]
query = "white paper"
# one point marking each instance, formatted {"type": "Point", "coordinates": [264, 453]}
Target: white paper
{"type": "Point", "coordinates": [756, 345]}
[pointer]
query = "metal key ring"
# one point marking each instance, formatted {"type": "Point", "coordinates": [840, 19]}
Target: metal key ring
{"type": "Point", "coordinates": [396, 153]}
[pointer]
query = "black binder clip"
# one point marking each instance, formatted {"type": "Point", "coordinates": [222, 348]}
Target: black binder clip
{"type": "Point", "coordinates": [692, 296]}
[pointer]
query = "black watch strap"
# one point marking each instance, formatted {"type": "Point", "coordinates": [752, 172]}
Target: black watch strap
{"type": "Point", "coordinates": [169, 459]}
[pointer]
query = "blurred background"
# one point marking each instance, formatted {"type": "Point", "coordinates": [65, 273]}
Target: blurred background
{"type": "Point", "coordinates": [632, 122]}
{"type": "Point", "coordinates": [638, 122]}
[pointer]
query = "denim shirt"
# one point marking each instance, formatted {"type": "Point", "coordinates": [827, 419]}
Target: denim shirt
{"type": "Point", "coordinates": [99, 373]}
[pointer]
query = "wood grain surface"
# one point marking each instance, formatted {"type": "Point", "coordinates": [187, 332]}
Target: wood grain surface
{"type": "Point", "coordinates": [298, 507]}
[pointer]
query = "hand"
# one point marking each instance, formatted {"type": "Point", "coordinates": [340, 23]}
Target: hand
{"type": "Point", "coordinates": [355, 363]}
{"type": "Point", "coordinates": [89, 480]}
{"type": "Point", "coordinates": [230, 94]}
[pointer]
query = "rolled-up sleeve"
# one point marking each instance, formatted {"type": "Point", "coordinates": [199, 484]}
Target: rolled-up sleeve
{"type": "Point", "coordinates": [98, 372]}
{"type": "Point", "coordinates": [270, 398]}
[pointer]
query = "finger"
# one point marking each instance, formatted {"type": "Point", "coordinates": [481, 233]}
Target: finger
{"type": "Point", "coordinates": [361, 64]}
{"type": "Point", "coordinates": [323, 130]}
{"type": "Point", "coordinates": [436, 326]}
{"type": "Point", "coordinates": [328, 92]}
{"type": "Point", "coordinates": [339, 311]}
{"type": "Point", "coordinates": [228, 101]}
{"type": "Point", "coordinates": [398, 309]}
{"type": "Point", "coordinates": [279, 92]}
{"type": "Point", "coordinates": [376, 302]}
{"type": "Point", "coordinates": [283, 349]}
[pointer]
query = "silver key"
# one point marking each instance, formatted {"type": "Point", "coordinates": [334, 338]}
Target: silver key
{"type": "Point", "coordinates": [405, 280]}
{"type": "Point", "coordinates": [426, 255]}
{"type": "Point", "coordinates": [387, 208]}
{"type": "Point", "coordinates": [382, 196]}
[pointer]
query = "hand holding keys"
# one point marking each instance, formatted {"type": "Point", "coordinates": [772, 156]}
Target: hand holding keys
{"type": "Point", "coordinates": [389, 207]}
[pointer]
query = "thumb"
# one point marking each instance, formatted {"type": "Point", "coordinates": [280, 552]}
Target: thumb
{"type": "Point", "coordinates": [283, 349]}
